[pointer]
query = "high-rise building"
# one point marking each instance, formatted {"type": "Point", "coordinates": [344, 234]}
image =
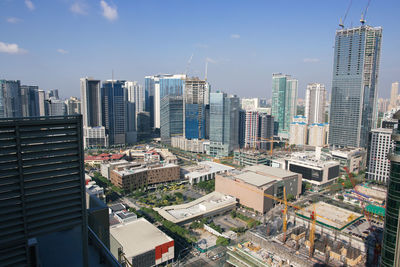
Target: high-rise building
{"type": "Point", "coordinates": [30, 101]}
{"type": "Point", "coordinates": [315, 103]}
{"type": "Point", "coordinates": [135, 94]}
{"type": "Point", "coordinates": [391, 235]}
{"type": "Point", "coordinates": [56, 107]}
{"type": "Point", "coordinates": [265, 130]}
{"type": "Point", "coordinates": [318, 134]}
{"type": "Point", "coordinates": [171, 118]}
{"type": "Point", "coordinates": [10, 99]}
{"type": "Point", "coordinates": [284, 100]}
{"type": "Point", "coordinates": [380, 143]}
{"type": "Point", "coordinates": [91, 107]}
{"type": "Point", "coordinates": [42, 105]}
{"type": "Point", "coordinates": [242, 127]}
{"type": "Point", "coordinates": [42, 196]}
{"type": "Point", "coordinates": [158, 86]}
{"type": "Point", "coordinates": [394, 93]}
{"type": "Point", "coordinates": [196, 97]}
{"type": "Point", "coordinates": [52, 93]}
{"type": "Point", "coordinates": [73, 106]}
{"type": "Point", "coordinates": [143, 125]}
{"type": "Point", "coordinates": [114, 111]}
{"type": "Point", "coordinates": [298, 131]}
{"type": "Point", "coordinates": [249, 103]}
{"type": "Point", "coordinates": [383, 105]}
{"type": "Point", "coordinates": [354, 85]}
{"type": "Point", "coordinates": [224, 124]}
{"type": "Point", "coordinates": [251, 134]}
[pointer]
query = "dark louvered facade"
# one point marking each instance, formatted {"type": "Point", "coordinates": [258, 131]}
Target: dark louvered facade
{"type": "Point", "coordinates": [42, 196]}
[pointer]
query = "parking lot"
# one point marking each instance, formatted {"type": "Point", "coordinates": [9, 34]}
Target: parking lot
{"type": "Point", "coordinates": [362, 229]}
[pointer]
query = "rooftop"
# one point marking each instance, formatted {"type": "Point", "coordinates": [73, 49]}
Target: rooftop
{"type": "Point", "coordinates": [205, 167]}
{"type": "Point", "coordinates": [138, 236]}
{"type": "Point", "coordinates": [276, 173]}
{"type": "Point", "coordinates": [143, 168]}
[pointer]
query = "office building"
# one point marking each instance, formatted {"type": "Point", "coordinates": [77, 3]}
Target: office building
{"type": "Point", "coordinates": [43, 197]}
{"type": "Point", "coordinates": [224, 124]}
{"type": "Point", "coordinates": [354, 159]}
{"type": "Point", "coordinates": [242, 127]}
{"type": "Point", "coordinates": [91, 107]}
{"type": "Point", "coordinates": [196, 97]}
{"type": "Point", "coordinates": [73, 106]}
{"type": "Point", "coordinates": [191, 145]}
{"type": "Point", "coordinates": [251, 137]}
{"type": "Point", "coordinates": [135, 94]}
{"type": "Point", "coordinates": [383, 105]}
{"type": "Point", "coordinates": [298, 131]}
{"type": "Point", "coordinates": [56, 107]}
{"type": "Point", "coordinates": [318, 134]}
{"type": "Point", "coordinates": [159, 86]}
{"type": "Point", "coordinates": [250, 184]}
{"type": "Point", "coordinates": [394, 94]}
{"type": "Point", "coordinates": [354, 85]}
{"type": "Point", "coordinates": [171, 118]}
{"type": "Point", "coordinates": [378, 165]}
{"type": "Point", "coordinates": [10, 99]}
{"type": "Point", "coordinates": [29, 101]}
{"type": "Point", "coordinates": [114, 111]}
{"type": "Point", "coordinates": [265, 130]}
{"type": "Point", "coordinates": [284, 101]}
{"type": "Point", "coordinates": [143, 125]}
{"type": "Point", "coordinates": [251, 104]}
{"type": "Point", "coordinates": [315, 103]}
{"type": "Point", "coordinates": [42, 105]}
{"type": "Point", "coordinates": [391, 236]}
{"type": "Point", "coordinates": [52, 93]}
{"type": "Point", "coordinates": [250, 157]}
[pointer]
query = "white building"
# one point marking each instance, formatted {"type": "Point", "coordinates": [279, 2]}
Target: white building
{"type": "Point", "coordinates": [135, 94]}
{"type": "Point", "coordinates": [318, 134]}
{"type": "Point", "coordinates": [298, 131]}
{"type": "Point", "coordinates": [249, 103]}
{"type": "Point", "coordinates": [315, 103]}
{"type": "Point", "coordinates": [251, 129]}
{"type": "Point", "coordinates": [95, 136]}
{"type": "Point", "coordinates": [204, 171]}
{"type": "Point", "coordinates": [394, 94]}
{"type": "Point", "coordinates": [191, 145]}
{"type": "Point", "coordinates": [378, 164]}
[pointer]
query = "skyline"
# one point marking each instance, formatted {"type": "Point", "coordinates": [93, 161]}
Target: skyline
{"type": "Point", "coordinates": [237, 46]}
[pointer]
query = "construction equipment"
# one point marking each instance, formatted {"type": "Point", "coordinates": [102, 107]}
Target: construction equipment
{"type": "Point", "coordinates": [258, 140]}
{"type": "Point", "coordinates": [364, 14]}
{"type": "Point", "coordinates": [350, 177]}
{"type": "Point", "coordinates": [313, 218]}
{"type": "Point", "coordinates": [284, 215]}
{"type": "Point", "coordinates": [341, 22]}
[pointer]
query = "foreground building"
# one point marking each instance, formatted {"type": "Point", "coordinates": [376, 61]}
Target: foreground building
{"type": "Point", "coordinates": [354, 85]}
{"type": "Point", "coordinates": [391, 235]}
{"type": "Point", "coordinates": [249, 185]}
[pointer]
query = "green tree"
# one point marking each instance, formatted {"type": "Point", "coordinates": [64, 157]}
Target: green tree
{"type": "Point", "coordinates": [222, 241]}
{"type": "Point", "coordinates": [340, 197]}
{"type": "Point", "coordinates": [290, 197]}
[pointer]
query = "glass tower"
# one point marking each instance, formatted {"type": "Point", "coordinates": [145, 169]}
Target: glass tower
{"type": "Point", "coordinates": [10, 99]}
{"type": "Point", "coordinates": [391, 234]}
{"type": "Point", "coordinates": [354, 85]}
{"type": "Point", "coordinates": [171, 117]}
{"type": "Point", "coordinates": [284, 100]}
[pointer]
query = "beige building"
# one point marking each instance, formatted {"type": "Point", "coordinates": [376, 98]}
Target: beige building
{"type": "Point", "coordinates": [144, 175]}
{"type": "Point", "coordinates": [298, 131]}
{"type": "Point", "coordinates": [394, 93]}
{"type": "Point", "coordinates": [250, 184]}
{"type": "Point", "coordinates": [318, 134]}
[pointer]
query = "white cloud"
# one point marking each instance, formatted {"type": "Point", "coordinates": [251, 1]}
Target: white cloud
{"type": "Point", "coordinates": [208, 59]}
{"type": "Point", "coordinates": [11, 49]}
{"type": "Point", "coordinates": [62, 51]}
{"type": "Point", "coordinates": [311, 60]}
{"type": "Point", "coordinates": [109, 12]}
{"type": "Point", "coordinates": [29, 4]}
{"type": "Point", "coordinates": [235, 36]}
{"type": "Point", "coordinates": [13, 20]}
{"type": "Point", "coordinates": [78, 8]}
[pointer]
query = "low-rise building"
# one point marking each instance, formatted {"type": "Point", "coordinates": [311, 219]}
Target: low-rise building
{"type": "Point", "coordinates": [353, 158]}
{"type": "Point", "coordinates": [142, 243]}
{"type": "Point", "coordinates": [107, 167]}
{"type": "Point", "coordinates": [204, 171]}
{"type": "Point", "coordinates": [144, 175]}
{"type": "Point", "coordinates": [250, 185]}
{"type": "Point", "coordinates": [191, 145]}
{"type": "Point", "coordinates": [105, 157]}
{"type": "Point", "coordinates": [246, 157]}
{"type": "Point", "coordinates": [167, 156]}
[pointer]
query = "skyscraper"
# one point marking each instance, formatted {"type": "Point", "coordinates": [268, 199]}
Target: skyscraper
{"type": "Point", "coordinates": [391, 234]}
{"type": "Point", "coordinates": [224, 124]}
{"type": "Point", "coordinates": [91, 107]}
{"type": "Point", "coordinates": [265, 130]}
{"type": "Point", "coordinates": [196, 97]}
{"type": "Point", "coordinates": [42, 106]}
{"type": "Point", "coordinates": [73, 106]}
{"type": "Point", "coordinates": [284, 100]}
{"type": "Point", "coordinates": [135, 94]}
{"type": "Point", "coordinates": [251, 138]}
{"type": "Point", "coordinates": [114, 111]}
{"type": "Point", "coordinates": [394, 93]}
{"type": "Point", "coordinates": [171, 118]}
{"type": "Point", "coordinates": [30, 101]}
{"type": "Point", "coordinates": [354, 85]}
{"type": "Point", "coordinates": [56, 107]}
{"type": "Point", "coordinates": [315, 103]}
{"type": "Point", "coordinates": [10, 99]}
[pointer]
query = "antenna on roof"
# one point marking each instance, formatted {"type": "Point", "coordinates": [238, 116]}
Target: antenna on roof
{"type": "Point", "coordinates": [341, 22]}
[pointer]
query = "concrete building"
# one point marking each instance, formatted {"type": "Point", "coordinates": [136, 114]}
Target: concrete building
{"type": "Point", "coordinates": [284, 101]}
{"type": "Point", "coordinates": [73, 106]}
{"type": "Point", "coordinates": [391, 234]}
{"type": "Point", "coordinates": [204, 171]}
{"type": "Point", "coordinates": [248, 157]}
{"type": "Point", "coordinates": [139, 176]}
{"type": "Point", "coordinates": [224, 124]}
{"type": "Point", "coordinates": [249, 104]}
{"type": "Point", "coordinates": [41, 99]}
{"type": "Point", "coordinates": [318, 134]}
{"type": "Point", "coordinates": [107, 167]}
{"type": "Point", "coordinates": [354, 159]}
{"type": "Point", "coordinates": [251, 138]}
{"type": "Point", "coordinates": [56, 107]}
{"type": "Point", "coordinates": [209, 205]}
{"type": "Point", "coordinates": [313, 168]}
{"type": "Point", "coordinates": [249, 185]}
{"type": "Point", "coordinates": [315, 103]}
{"type": "Point", "coordinates": [192, 145]}
{"type": "Point", "coordinates": [394, 93]}
{"type": "Point", "coordinates": [298, 131]}
{"type": "Point", "coordinates": [380, 144]}
{"type": "Point", "coordinates": [354, 85]}
{"type": "Point", "coordinates": [142, 243]}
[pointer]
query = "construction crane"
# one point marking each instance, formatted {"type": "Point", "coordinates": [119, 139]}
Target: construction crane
{"type": "Point", "coordinates": [259, 140]}
{"type": "Point", "coordinates": [341, 22]}
{"type": "Point", "coordinates": [284, 227]}
{"type": "Point", "coordinates": [353, 182]}
{"type": "Point", "coordinates": [313, 218]}
{"type": "Point", "coordinates": [364, 14]}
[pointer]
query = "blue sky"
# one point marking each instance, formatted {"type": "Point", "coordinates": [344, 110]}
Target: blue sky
{"type": "Point", "coordinates": [54, 43]}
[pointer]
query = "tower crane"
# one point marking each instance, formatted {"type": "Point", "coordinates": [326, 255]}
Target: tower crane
{"type": "Point", "coordinates": [364, 14]}
{"type": "Point", "coordinates": [313, 218]}
{"type": "Point", "coordinates": [341, 22]}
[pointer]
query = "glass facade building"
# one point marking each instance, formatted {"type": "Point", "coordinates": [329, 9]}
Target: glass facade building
{"type": "Point", "coordinates": [354, 85]}
{"type": "Point", "coordinates": [391, 234]}
{"type": "Point", "coordinates": [284, 100]}
{"type": "Point", "coordinates": [10, 99]}
{"type": "Point", "coordinates": [171, 118]}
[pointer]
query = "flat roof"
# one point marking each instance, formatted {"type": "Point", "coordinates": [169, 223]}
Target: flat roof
{"type": "Point", "coordinates": [142, 168]}
{"type": "Point", "coordinates": [276, 173]}
{"type": "Point", "coordinates": [205, 167]}
{"type": "Point", "coordinates": [138, 237]}
{"type": "Point", "coordinates": [204, 205]}
{"type": "Point", "coordinates": [254, 178]}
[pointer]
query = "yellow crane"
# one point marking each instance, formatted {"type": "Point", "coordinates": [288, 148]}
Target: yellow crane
{"type": "Point", "coordinates": [271, 142]}
{"type": "Point", "coordinates": [313, 218]}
